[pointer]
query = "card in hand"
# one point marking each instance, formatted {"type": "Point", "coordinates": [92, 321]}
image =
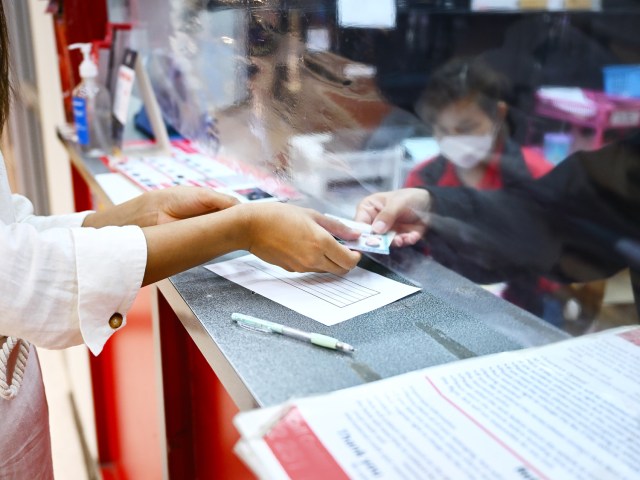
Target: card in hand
{"type": "Point", "coordinates": [368, 241]}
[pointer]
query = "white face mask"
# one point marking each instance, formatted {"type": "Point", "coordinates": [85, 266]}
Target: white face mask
{"type": "Point", "coordinates": [466, 151]}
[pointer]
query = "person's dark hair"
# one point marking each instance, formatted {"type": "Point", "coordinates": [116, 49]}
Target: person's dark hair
{"type": "Point", "coordinates": [5, 86]}
{"type": "Point", "coordinates": [462, 79]}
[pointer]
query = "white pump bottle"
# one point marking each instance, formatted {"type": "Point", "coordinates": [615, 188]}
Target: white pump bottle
{"type": "Point", "coordinates": [92, 108]}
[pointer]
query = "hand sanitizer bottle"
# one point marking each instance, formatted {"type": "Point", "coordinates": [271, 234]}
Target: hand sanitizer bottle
{"type": "Point", "coordinates": [91, 108]}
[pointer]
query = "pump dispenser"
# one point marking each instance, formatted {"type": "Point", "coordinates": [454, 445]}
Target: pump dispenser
{"type": "Point", "coordinates": [91, 108]}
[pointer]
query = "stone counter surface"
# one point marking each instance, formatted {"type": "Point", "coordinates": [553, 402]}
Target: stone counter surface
{"type": "Point", "coordinates": [450, 319]}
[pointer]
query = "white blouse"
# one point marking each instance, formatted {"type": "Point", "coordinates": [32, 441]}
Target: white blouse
{"type": "Point", "coordinates": [59, 286]}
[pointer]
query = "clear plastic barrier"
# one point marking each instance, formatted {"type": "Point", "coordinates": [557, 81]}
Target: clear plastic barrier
{"type": "Point", "coordinates": [492, 107]}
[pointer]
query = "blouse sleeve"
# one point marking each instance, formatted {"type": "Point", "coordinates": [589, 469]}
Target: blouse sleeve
{"type": "Point", "coordinates": [578, 223]}
{"type": "Point", "coordinates": [62, 284]}
{"type": "Point", "coordinates": [23, 210]}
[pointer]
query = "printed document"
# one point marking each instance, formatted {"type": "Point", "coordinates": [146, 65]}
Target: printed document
{"type": "Point", "coordinates": [324, 297]}
{"type": "Point", "coordinates": [570, 410]}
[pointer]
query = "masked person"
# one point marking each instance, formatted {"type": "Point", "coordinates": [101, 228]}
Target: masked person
{"type": "Point", "coordinates": [463, 102]}
{"type": "Point", "coordinates": [70, 279]}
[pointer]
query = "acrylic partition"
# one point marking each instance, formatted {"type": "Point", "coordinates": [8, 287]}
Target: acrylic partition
{"type": "Point", "coordinates": [340, 99]}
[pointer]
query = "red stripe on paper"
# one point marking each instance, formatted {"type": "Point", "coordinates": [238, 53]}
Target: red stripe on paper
{"type": "Point", "coordinates": [488, 432]}
{"type": "Point", "coordinates": [300, 452]}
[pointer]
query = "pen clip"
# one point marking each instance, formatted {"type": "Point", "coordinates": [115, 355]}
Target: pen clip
{"type": "Point", "coordinates": [254, 327]}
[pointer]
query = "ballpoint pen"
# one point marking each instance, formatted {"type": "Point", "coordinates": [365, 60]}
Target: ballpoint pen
{"type": "Point", "coordinates": [271, 327]}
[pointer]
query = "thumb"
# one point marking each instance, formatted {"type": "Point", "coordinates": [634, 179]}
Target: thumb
{"type": "Point", "coordinates": [215, 201]}
{"type": "Point", "coordinates": [387, 217]}
{"type": "Point", "coordinates": [336, 228]}
{"type": "Point", "coordinates": [402, 205]}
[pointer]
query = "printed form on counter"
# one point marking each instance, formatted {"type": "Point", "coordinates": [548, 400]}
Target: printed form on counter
{"type": "Point", "coordinates": [324, 297]}
{"type": "Point", "coordinates": [570, 410]}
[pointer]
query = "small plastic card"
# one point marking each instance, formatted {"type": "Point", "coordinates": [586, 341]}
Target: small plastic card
{"type": "Point", "coordinates": [368, 241]}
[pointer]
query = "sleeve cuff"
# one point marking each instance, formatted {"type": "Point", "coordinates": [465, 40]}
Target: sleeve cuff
{"type": "Point", "coordinates": [111, 262]}
{"type": "Point", "coordinates": [23, 210]}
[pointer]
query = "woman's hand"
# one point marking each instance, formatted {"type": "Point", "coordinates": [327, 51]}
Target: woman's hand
{"type": "Point", "coordinates": [299, 239]}
{"type": "Point", "coordinates": [404, 211]}
{"type": "Point", "coordinates": [294, 238]}
{"type": "Point", "coordinates": [162, 206]}
{"type": "Point", "coordinates": [178, 203]}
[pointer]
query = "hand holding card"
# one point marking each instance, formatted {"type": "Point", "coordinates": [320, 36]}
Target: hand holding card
{"type": "Point", "coordinates": [368, 241]}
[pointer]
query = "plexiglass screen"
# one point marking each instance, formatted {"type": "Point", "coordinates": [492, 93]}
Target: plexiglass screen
{"type": "Point", "coordinates": [500, 138]}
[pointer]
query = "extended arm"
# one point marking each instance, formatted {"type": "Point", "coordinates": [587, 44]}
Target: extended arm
{"type": "Point", "coordinates": [185, 227]}
{"type": "Point", "coordinates": [61, 285]}
{"type": "Point", "coordinates": [577, 223]}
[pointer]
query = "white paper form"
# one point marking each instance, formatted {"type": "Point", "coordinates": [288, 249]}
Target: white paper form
{"type": "Point", "coordinates": [565, 411]}
{"type": "Point", "coordinates": [324, 297]}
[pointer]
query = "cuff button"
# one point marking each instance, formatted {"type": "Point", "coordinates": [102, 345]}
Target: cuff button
{"type": "Point", "coordinates": [115, 321]}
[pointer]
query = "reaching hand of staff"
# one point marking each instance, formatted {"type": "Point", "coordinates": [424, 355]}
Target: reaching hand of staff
{"type": "Point", "coordinates": [403, 211]}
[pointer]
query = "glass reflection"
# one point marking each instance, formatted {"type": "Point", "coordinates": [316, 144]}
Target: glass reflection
{"type": "Point", "coordinates": [477, 108]}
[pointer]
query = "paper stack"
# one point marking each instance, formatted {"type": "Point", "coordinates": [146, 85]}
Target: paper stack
{"type": "Point", "coordinates": [569, 410]}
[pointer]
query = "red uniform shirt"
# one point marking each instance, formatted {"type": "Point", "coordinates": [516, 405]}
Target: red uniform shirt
{"type": "Point", "coordinates": [528, 162]}
{"type": "Point", "coordinates": [509, 165]}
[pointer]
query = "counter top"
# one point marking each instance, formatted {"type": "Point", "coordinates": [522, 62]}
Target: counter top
{"type": "Point", "coordinates": [450, 319]}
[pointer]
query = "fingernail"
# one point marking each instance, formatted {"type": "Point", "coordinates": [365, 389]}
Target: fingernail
{"type": "Point", "coordinates": [379, 226]}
